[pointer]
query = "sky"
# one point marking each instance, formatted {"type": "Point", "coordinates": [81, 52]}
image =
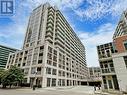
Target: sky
{"type": "Point", "coordinates": [94, 21]}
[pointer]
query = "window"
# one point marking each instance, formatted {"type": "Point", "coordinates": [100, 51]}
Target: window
{"type": "Point", "coordinates": [54, 58]}
{"type": "Point", "coordinates": [59, 82]}
{"type": "Point", "coordinates": [48, 71]}
{"type": "Point", "coordinates": [59, 73]}
{"type": "Point", "coordinates": [54, 72]}
{"type": "Point", "coordinates": [24, 64]}
{"type": "Point", "coordinates": [63, 82]}
{"type": "Point", "coordinates": [33, 70]}
{"type": "Point", "coordinates": [125, 60]}
{"type": "Point", "coordinates": [48, 82]}
{"type": "Point", "coordinates": [55, 52]}
{"type": "Point", "coordinates": [18, 65]}
{"type": "Point", "coordinates": [39, 69]}
{"type": "Point", "coordinates": [53, 82]}
{"type": "Point", "coordinates": [110, 84]}
{"type": "Point", "coordinates": [26, 71]}
{"type": "Point", "coordinates": [49, 56]}
{"type": "Point", "coordinates": [125, 45]}
{"type": "Point", "coordinates": [50, 49]}
{"type": "Point", "coordinates": [39, 61]}
{"type": "Point", "coordinates": [111, 65]}
{"type": "Point", "coordinates": [63, 73]}
{"type": "Point", "coordinates": [49, 62]}
{"type": "Point", "coordinates": [54, 64]}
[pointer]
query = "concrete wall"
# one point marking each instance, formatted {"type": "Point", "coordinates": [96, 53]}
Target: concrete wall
{"type": "Point", "coordinates": [121, 70]}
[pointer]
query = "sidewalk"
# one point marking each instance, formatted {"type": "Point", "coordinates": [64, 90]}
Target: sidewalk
{"type": "Point", "coordinates": [102, 93]}
{"type": "Point", "coordinates": [111, 92]}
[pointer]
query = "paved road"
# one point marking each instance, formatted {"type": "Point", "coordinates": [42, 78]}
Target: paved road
{"type": "Point", "coordinates": [78, 90]}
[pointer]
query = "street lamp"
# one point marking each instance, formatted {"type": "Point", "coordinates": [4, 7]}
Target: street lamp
{"type": "Point", "coordinates": [34, 83]}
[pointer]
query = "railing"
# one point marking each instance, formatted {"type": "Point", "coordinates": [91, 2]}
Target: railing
{"type": "Point", "coordinates": [108, 70]}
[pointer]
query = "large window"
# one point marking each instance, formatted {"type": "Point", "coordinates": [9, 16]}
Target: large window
{"type": "Point", "coordinates": [48, 82]}
{"type": "Point", "coordinates": [125, 60]}
{"type": "Point", "coordinates": [110, 84]}
{"type": "Point", "coordinates": [125, 45]}
{"type": "Point", "coordinates": [54, 72]}
{"type": "Point", "coordinates": [33, 69]}
{"type": "Point", "coordinates": [48, 71]}
{"type": "Point", "coordinates": [53, 82]}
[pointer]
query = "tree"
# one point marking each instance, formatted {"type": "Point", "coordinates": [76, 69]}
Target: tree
{"type": "Point", "coordinates": [12, 76]}
{"type": "Point", "coordinates": [1, 73]}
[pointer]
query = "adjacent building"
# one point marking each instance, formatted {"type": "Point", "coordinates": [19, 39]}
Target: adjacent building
{"type": "Point", "coordinates": [113, 58]}
{"type": "Point", "coordinates": [120, 57]}
{"type": "Point", "coordinates": [94, 76]}
{"type": "Point", "coordinates": [52, 54]}
{"type": "Point", "coordinates": [109, 78]}
{"type": "Point", "coordinates": [4, 53]}
{"type": "Point", "coordinates": [94, 73]}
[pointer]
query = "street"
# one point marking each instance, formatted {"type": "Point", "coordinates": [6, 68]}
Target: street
{"type": "Point", "coordinates": [77, 90]}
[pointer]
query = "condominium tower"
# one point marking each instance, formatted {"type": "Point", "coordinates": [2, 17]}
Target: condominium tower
{"type": "Point", "coordinates": [4, 53]}
{"type": "Point", "coordinates": [52, 54]}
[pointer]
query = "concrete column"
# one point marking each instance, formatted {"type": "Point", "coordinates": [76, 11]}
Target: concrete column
{"type": "Point", "coordinates": [87, 83]}
{"type": "Point", "coordinates": [44, 79]}
{"type": "Point", "coordinates": [57, 73]}
{"type": "Point", "coordinates": [65, 82]}
{"type": "Point", "coordinates": [113, 84]}
{"type": "Point", "coordinates": [28, 79]}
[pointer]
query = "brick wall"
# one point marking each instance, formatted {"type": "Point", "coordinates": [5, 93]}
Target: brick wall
{"type": "Point", "coordinates": [119, 43]}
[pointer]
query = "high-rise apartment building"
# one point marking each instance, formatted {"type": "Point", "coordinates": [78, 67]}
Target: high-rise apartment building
{"type": "Point", "coordinates": [52, 54]}
{"type": "Point", "coordinates": [4, 53]}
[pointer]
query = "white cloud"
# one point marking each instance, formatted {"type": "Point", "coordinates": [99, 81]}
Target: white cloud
{"type": "Point", "coordinates": [101, 8]}
{"type": "Point", "coordinates": [95, 9]}
{"type": "Point", "coordinates": [102, 35]}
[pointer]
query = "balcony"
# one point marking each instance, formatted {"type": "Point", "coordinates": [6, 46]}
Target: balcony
{"type": "Point", "coordinates": [50, 21]}
{"type": "Point", "coordinates": [108, 70]}
{"type": "Point", "coordinates": [50, 17]}
{"type": "Point", "coordinates": [49, 36]}
{"type": "Point", "coordinates": [51, 10]}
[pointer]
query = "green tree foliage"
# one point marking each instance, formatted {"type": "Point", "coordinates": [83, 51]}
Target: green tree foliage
{"type": "Point", "coordinates": [12, 76]}
{"type": "Point", "coordinates": [1, 73]}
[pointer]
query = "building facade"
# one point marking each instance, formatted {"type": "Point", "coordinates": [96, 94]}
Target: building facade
{"type": "Point", "coordinates": [109, 78]}
{"type": "Point", "coordinates": [4, 53]}
{"type": "Point", "coordinates": [94, 73]}
{"type": "Point", "coordinates": [120, 57]}
{"type": "Point", "coordinates": [52, 54]}
{"type": "Point", "coordinates": [94, 76]}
